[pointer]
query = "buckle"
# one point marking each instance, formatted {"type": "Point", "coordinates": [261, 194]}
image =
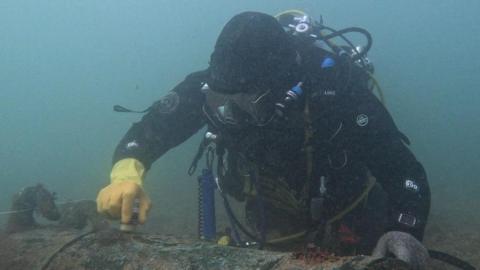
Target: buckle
{"type": "Point", "coordinates": [407, 219]}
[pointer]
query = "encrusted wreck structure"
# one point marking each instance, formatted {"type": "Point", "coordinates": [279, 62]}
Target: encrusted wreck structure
{"type": "Point", "coordinates": [53, 247]}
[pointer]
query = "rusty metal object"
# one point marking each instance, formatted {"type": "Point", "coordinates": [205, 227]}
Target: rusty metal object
{"type": "Point", "coordinates": [30, 200]}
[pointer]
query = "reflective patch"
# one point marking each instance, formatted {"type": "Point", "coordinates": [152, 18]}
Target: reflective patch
{"type": "Point", "coordinates": [132, 144]}
{"type": "Point", "coordinates": [362, 120]}
{"type": "Point", "coordinates": [329, 92]}
{"type": "Point", "coordinates": [408, 220]}
{"type": "Point", "coordinates": [412, 185]}
{"type": "Point", "coordinates": [168, 103]}
{"type": "Point", "coordinates": [205, 87]}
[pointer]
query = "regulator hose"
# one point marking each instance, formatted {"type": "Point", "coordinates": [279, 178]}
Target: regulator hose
{"type": "Point", "coordinates": [234, 220]}
{"type": "Point", "coordinates": [340, 33]}
{"type": "Point", "coordinates": [261, 210]}
{"type": "Point", "coordinates": [450, 259]}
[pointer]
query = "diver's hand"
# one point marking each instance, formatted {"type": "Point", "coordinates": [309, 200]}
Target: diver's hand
{"type": "Point", "coordinates": [116, 201]}
{"type": "Point", "coordinates": [404, 247]}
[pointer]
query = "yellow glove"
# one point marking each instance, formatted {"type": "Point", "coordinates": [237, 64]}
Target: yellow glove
{"type": "Point", "coordinates": [116, 200]}
{"type": "Point", "coordinates": [224, 240]}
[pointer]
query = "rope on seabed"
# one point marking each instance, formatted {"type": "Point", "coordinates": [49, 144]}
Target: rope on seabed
{"type": "Point", "coordinates": [13, 212]}
{"type": "Point", "coordinates": [47, 262]}
{"type": "Point", "coordinates": [29, 209]}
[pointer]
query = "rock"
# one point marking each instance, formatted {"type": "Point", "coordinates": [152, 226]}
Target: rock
{"type": "Point", "coordinates": [79, 214]}
{"type": "Point", "coordinates": [56, 248]}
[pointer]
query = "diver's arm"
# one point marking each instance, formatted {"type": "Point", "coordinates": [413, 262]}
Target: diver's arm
{"type": "Point", "coordinates": [171, 121]}
{"type": "Point", "coordinates": [394, 165]}
{"type": "Point", "coordinates": [405, 181]}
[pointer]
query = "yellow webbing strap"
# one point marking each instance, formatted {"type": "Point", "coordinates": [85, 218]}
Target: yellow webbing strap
{"type": "Point", "coordinates": [287, 238]}
{"type": "Point", "coordinates": [307, 144]}
{"type": "Point", "coordinates": [371, 183]}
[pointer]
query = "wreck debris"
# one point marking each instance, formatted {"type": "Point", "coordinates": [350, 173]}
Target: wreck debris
{"type": "Point", "coordinates": [30, 200]}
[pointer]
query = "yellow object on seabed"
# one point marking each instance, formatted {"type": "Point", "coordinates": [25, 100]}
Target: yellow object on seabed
{"type": "Point", "coordinates": [224, 240]}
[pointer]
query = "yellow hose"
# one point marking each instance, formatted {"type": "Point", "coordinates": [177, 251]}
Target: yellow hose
{"type": "Point", "coordinates": [287, 238]}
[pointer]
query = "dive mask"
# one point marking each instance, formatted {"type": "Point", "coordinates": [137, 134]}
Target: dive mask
{"type": "Point", "coordinates": [255, 107]}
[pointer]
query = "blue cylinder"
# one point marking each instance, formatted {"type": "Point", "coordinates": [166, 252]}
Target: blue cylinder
{"type": "Point", "coordinates": [206, 218]}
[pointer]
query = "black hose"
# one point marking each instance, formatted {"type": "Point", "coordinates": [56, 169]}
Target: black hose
{"type": "Point", "coordinates": [231, 216]}
{"type": "Point", "coordinates": [198, 156]}
{"type": "Point", "coordinates": [450, 259]}
{"type": "Point", "coordinates": [349, 43]}
{"type": "Point", "coordinates": [340, 33]}
{"type": "Point", "coordinates": [118, 108]}
{"type": "Point", "coordinates": [261, 210]}
{"type": "Point", "coordinates": [235, 220]}
{"type": "Point", "coordinates": [47, 262]}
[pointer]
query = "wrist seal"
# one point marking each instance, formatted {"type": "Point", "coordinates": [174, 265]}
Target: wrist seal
{"type": "Point", "coordinates": [128, 169]}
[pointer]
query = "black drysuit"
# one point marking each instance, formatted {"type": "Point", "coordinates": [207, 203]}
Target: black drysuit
{"type": "Point", "coordinates": [352, 133]}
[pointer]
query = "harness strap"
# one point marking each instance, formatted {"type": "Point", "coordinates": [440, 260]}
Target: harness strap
{"type": "Point", "coordinates": [370, 184]}
{"type": "Point", "coordinates": [308, 146]}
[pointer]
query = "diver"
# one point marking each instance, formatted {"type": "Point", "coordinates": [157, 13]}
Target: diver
{"type": "Point", "coordinates": [298, 136]}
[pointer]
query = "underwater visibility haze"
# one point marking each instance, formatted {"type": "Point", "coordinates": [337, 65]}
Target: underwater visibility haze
{"type": "Point", "coordinates": [64, 64]}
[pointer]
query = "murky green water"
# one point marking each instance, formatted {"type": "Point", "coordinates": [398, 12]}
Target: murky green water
{"type": "Point", "coordinates": [64, 64]}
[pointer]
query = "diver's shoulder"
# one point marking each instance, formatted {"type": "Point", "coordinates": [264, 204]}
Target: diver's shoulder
{"type": "Point", "coordinates": [193, 83]}
{"type": "Point", "coordinates": [200, 75]}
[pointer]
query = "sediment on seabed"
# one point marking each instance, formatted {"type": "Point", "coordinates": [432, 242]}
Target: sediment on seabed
{"type": "Point", "coordinates": [51, 247]}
